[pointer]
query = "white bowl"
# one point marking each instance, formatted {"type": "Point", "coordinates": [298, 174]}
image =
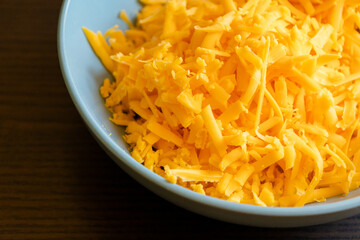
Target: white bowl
{"type": "Point", "coordinates": [83, 74]}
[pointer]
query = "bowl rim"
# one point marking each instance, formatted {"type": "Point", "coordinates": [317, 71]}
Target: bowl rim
{"type": "Point", "coordinates": [125, 158]}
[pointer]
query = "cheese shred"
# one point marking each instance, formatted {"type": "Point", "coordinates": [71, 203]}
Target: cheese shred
{"type": "Point", "coordinates": [247, 102]}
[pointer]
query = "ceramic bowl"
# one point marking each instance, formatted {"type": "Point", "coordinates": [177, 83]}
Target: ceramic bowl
{"type": "Point", "coordinates": [83, 74]}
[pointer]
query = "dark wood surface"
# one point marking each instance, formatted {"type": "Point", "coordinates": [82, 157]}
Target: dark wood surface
{"type": "Point", "coordinates": [56, 182]}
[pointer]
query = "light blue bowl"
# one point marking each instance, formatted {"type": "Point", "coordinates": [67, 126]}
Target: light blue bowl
{"type": "Point", "coordinates": [83, 74]}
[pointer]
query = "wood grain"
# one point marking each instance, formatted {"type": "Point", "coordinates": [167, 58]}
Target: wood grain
{"type": "Point", "coordinates": [56, 182]}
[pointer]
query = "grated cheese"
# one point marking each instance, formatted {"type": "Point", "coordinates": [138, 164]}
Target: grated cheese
{"type": "Point", "coordinates": [254, 102]}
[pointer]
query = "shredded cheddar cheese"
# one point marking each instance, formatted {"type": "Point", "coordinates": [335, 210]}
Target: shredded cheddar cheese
{"type": "Point", "coordinates": [254, 102]}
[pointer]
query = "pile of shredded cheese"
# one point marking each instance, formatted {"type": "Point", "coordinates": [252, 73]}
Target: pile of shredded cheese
{"type": "Point", "coordinates": [255, 102]}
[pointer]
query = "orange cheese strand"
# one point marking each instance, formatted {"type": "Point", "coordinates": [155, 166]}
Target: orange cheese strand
{"type": "Point", "coordinates": [255, 103]}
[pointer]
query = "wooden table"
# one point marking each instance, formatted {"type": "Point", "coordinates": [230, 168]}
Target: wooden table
{"type": "Point", "coordinates": [56, 182]}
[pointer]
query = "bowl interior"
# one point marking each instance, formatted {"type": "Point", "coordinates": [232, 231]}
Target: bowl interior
{"type": "Point", "coordinates": [84, 74]}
